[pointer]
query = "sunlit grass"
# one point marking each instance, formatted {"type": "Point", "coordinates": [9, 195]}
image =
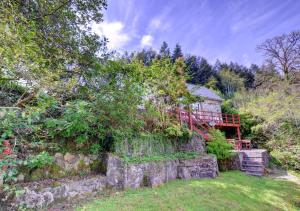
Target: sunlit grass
{"type": "Point", "coordinates": [231, 190]}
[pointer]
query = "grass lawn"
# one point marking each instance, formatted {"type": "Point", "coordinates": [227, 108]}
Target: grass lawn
{"type": "Point", "coordinates": [230, 191]}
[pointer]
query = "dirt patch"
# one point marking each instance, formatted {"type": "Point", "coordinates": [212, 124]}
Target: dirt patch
{"type": "Point", "coordinates": [279, 173]}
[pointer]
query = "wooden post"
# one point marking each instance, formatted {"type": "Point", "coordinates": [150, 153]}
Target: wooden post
{"type": "Point", "coordinates": [239, 138]}
{"type": "Point", "coordinates": [190, 119]}
{"type": "Point", "coordinates": [179, 115]}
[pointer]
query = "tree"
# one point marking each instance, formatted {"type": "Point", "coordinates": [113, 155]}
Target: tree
{"type": "Point", "coordinates": [267, 77]}
{"type": "Point", "coordinates": [165, 81]}
{"type": "Point", "coordinates": [217, 66]}
{"type": "Point", "coordinates": [231, 82]}
{"type": "Point", "coordinates": [177, 53]}
{"type": "Point", "coordinates": [198, 69]}
{"type": "Point", "coordinates": [212, 83]}
{"type": "Point", "coordinates": [146, 56]}
{"type": "Point", "coordinates": [164, 50]}
{"type": "Point", "coordinates": [284, 52]}
{"type": "Point", "coordinates": [243, 72]}
{"type": "Point", "coordinates": [48, 45]}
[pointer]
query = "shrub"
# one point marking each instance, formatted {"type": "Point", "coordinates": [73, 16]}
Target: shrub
{"type": "Point", "coordinates": [276, 118]}
{"type": "Point", "coordinates": [178, 131]}
{"type": "Point", "coordinates": [39, 161]}
{"type": "Point", "coordinates": [174, 131]}
{"type": "Point", "coordinates": [218, 145]}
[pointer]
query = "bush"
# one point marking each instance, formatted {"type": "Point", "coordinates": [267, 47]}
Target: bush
{"type": "Point", "coordinates": [178, 132]}
{"type": "Point", "coordinates": [218, 145]}
{"type": "Point", "coordinates": [39, 161]}
{"type": "Point", "coordinates": [274, 119]}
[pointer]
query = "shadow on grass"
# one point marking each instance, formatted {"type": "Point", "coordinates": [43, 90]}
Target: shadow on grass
{"type": "Point", "coordinates": [231, 190]}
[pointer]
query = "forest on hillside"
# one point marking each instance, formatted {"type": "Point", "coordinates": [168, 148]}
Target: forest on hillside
{"type": "Point", "coordinates": [61, 89]}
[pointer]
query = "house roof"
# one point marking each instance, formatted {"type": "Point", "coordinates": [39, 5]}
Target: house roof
{"type": "Point", "coordinates": [202, 91]}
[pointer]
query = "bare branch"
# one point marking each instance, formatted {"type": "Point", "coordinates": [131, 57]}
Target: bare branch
{"type": "Point", "coordinates": [284, 51]}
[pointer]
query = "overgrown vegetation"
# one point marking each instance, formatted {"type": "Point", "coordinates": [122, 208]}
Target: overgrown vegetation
{"type": "Point", "coordinates": [275, 121]}
{"type": "Point", "coordinates": [218, 145]}
{"type": "Point", "coordinates": [69, 93]}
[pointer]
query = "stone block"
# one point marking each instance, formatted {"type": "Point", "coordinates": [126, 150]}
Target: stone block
{"type": "Point", "coordinates": [195, 144]}
{"type": "Point", "coordinates": [36, 198]}
{"type": "Point", "coordinates": [115, 168]}
{"type": "Point", "coordinates": [69, 157]}
{"type": "Point", "coordinates": [205, 166]}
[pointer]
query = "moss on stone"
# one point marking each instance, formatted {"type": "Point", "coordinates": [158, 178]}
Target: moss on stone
{"type": "Point", "coordinates": [25, 171]}
{"type": "Point", "coordinates": [55, 184]}
{"type": "Point", "coordinates": [82, 168]}
{"type": "Point", "coordinates": [98, 166]}
{"type": "Point", "coordinates": [55, 171]}
{"type": "Point", "coordinates": [37, 174]}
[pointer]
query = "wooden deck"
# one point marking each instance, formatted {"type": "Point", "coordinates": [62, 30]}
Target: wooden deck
{"type": "Point", "coordinates": [201, 121]}
{"type": "Point", "coordinates": [213, 118]}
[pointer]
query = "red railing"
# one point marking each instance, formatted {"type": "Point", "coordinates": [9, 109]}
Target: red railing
{"type": "Point", "coordinates": [215, 118]}
{"type": "Point", "coordinates": [201, 121]}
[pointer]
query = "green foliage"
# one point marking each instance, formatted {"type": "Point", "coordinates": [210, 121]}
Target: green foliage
{"type": "Point", "coordinates": [9, 162]}
{"type": "Point", "coordinates": [10, 92]}
{"type": "Point", "coordinates": [41, 160]}
{"type": "Point", "coordinates": [145, 144]}
{"type": "Point", "coordinates": [76, 122]}
{"type": "Point", "coordinates": [95, 148]}
{"type": "Point", "coordinates": [212, 83]}
{"type": "Point", "coordinates": [273, 118]}
{"type": "Point", "coordinates": [231, 82]}
{"type": "Point", "coordinates": [228, 107]}
{"type": "Point", "coordinates": [172, 87]}
{"type": "Point", "coordinates": [12, 127]}
{"type": "Point", "coordinates": [218, 145]}
{"type": "Point", "coordinates": [162, 157]}
{"type": "Point", "coordinates": [48, 45]}
{"type": "Point", "coordinates": [178, 131]}
{"type": "Point", "coordinates": [248, 121]}
{"type": "Point", "coordinates": [177, 52]}
{"type": "Point", "coordinates": [174, 131]}
{"type": "Point", "coordinates": [200, 71]}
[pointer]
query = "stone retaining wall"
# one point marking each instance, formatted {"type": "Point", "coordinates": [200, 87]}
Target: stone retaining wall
{"type": "Point", "coordinates": [126, 175]}
{"type": "Point", "coordinates": [72, 163]}
{"type": "Point", "coordinates": [119, 176]}
{"type": "Point", "coordinates": [232, 163]}
{"type": "Point", "coordinates": [63, 165]}
{"type": "Point", "coordinates": [38, 197]}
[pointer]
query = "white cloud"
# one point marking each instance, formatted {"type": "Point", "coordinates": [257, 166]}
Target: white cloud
{"type": "Point", "coordinates": [117, 38]}
{"type": "Point", "coordinates": [158, 23]}
{"type": "Point", "coordinates": [155, 24]}
{"type": "Point", "coordinates": [147, 40]}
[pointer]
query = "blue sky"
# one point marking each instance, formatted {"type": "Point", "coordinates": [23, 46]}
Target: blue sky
{"type": "Point", "coordinates": [228, 30]}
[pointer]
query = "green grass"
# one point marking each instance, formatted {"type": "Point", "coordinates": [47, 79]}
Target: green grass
{"type": "Point", "coordinates": [163, 157]}
{"type": "Point", "coordinates": [230, 191]}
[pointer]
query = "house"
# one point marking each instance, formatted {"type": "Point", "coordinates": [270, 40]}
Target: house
{"type": "Point", "coordinates": [207, 114]}
{"type": "Point", "coordinates": [211, 101]}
